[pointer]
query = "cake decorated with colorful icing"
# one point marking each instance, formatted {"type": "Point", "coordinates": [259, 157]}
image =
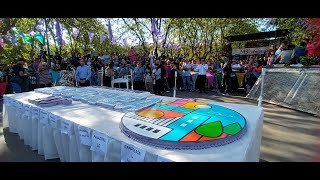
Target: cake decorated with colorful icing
{"type": "Point", "coordinates": [184, 124]}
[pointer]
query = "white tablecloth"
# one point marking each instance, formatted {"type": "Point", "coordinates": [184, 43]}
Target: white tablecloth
{"type": "Point", "coordinates": [64, 142]}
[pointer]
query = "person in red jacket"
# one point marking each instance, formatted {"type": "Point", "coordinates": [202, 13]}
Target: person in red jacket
{"type": "Point", "coordinates": [313, 47]}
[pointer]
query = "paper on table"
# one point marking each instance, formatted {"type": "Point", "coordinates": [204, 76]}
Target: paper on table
{"type": "Point", "coordinates": [162, 159]}
{"type": "Point", "coordinates": [66, 126]}
{"type": "Point", "coordinates": [130, 153]}
{"type": "Point", "coordinates": [85, 135]}
{"type": "Point", "coordinates": [99, 142]}
{"type": "Point", "coordinates": [53, 121]}
{"type": "Point", "coordinates": [44, 117]}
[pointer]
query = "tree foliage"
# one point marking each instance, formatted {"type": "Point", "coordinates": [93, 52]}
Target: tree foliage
{"type": "Point", "coordinates": [182, 37]}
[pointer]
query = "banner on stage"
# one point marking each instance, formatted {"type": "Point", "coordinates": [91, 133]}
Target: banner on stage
{"type": "Point", "coordinates": [250, 51]}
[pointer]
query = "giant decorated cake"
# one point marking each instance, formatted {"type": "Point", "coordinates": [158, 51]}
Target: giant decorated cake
{"type": "Point", "coordinates": [184, 124]}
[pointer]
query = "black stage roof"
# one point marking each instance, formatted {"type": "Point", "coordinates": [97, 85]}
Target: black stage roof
{"type": "Point", "coordinates": [260, 35]}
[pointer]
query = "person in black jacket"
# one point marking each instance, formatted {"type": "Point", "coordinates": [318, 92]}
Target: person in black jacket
{"type": "Point", "coordinates": [227, 70]}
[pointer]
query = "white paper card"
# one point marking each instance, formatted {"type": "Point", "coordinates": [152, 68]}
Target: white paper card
{"type": "Point", "coordinates": [130, 153]}
{"type": "Point", "coordinates": [19, 106]}
{"type": "Point", "coordinates": [84, 134]}
{"type": "Point", "coordinates": [162, 159]}
{"type": "Point", "coordinates": [44, 117]}
{"type": "Point", "coordinates": [27, 109]}
{"type": "Point", "coordinates": [35, 111]}
{"type": "Point", "coordinates": [99, 142]}
{"type": "Point", "coordinates": [53, 121]}
{"type": "Point", "coordinates": [66, 126]}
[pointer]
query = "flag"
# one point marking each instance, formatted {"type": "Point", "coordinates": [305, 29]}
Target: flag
{"type": "Point", "coordinates": [75, 32]}
{"type": "Point", "coordinates": [41, 27]}
{"type": "Point", "coordinates": [110, 31]}
{"type": "Point", "coordinates": [102, 38]}
{"type": "Point", "coordinates": [153, 21]}
{"type": "Point", "coordinates": [31, 32]}
{"type": "Point", "coordinates": [90, 34]}
{"type": "Point", "coordinates": [125, 43]}
{"type": "Point", "coordinates": [39, 37]}
{"type": "Point", "coordinates": [27, 39]}
{"type": "Point", "coordinates": [13, 40]}
{"type": "Point", "coordinates": [58, 32]}
{"type": "Point", "coordinates": [17, 32]}
{"type": "Point", "coordinates": [1, 43]}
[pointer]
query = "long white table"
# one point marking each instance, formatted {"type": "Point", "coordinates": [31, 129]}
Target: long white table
{"type": "Point", "coordinates": [59, 136]}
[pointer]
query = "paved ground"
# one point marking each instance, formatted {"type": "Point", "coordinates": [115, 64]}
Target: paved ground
{"type": "Point", "coordinates": [288, 135]}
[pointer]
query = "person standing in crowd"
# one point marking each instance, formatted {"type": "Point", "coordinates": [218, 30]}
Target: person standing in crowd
{"type": "Point", "coordinates": [45, 77]}
{"type": "Point", "coordinates": [279, 50]}
{"type": "Point", "coordinates": [313, 47]}
{"type": "Point", "coordinates": [132, 55]}
{"type": "Point", "coordinates": [74, 60]}
{"type": "Point", "coordinates": [285, 55]}
{"type": "Point", "coordinates": [66, 76]}
{"type": "Point", "coordinates": [299, 51]}
{"type": "Point", "coordinates": [259, 66]}
{"type": "Point", "coordinates": [138, 74]}
{"type": "Point", "coordinates": [148, 79]}
{"type": "Point", "coordinates": [108, 75]}
{"type": "Point", "coordinates": [165, 81]}
{"type": "Point", "coordinates": [250, 66]}
{"type": "Point", "coordinates": [158, 77]}
{"type": "Point", "coordinates": [202, 69]}
{"type": "Point", "coordinates": [83, 74]}
{"type": "Point", "coordinates": [215, 64]}
{"type": "Point", "coordinates": [227, 70]}
{"type": "Point", "coordinates": [94, 75]}
{"type": "Point", "coordinates": [18, 77]}
{"type": "Point", "coordinates": [57, 58]}
{"type": "Point", "coordinates": [186, 67]}
{"type": "Point", "coordinates": [270, 58]}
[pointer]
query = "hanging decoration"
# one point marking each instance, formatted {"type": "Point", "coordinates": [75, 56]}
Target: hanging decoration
{"type": "Point", "coordinates": [102, 38]}
{"type": "Point", "coordinates": [75, 32]}
{"type": "Point", "coordinates": [90, 34]}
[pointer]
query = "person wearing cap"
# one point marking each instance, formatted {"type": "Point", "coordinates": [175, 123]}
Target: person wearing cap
{"type": "Point", "coordinates": [18, 78]}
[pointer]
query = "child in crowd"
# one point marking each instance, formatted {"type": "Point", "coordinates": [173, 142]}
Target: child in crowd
{"type": "Point", "coordinates": [148, 79]}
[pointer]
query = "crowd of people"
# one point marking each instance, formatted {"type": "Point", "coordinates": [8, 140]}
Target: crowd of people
{"type": "Point", "coordinates": [156, 75]}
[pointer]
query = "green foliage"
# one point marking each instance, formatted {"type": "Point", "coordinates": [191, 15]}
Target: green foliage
{"type": "Point", "coordinates": [307, 61]}
{"type": "Point", "coordinates": [188, 32]}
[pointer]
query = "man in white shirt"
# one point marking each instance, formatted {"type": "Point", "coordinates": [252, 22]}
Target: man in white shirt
{"type": "Point", "coordinates": [279, 50]}
{"type": "Point", "coordinates": [202, 69]}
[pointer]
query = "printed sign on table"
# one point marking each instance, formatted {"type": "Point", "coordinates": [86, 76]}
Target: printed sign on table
{"type": "Point", "coordinates": [35, 111]}
{"type": "Point", "coordinates": [130, 153]}
{"type": "Point", "coordinates": [99, 142]}
{"type": "Point", "coordinates": [66, 126]}
{"type": "Point", "coordinates": [84, 134]}
{"type": "Point", "coordinates": [44, 117]}
{"type": "Point", "coordinates": [20, 106]}
{"type": "Point", "coordinates": [27, 109]}
{"type": "Point", "coordinates": [53, 121]}
{"type": "Point", "coordinates": [162, 159]}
